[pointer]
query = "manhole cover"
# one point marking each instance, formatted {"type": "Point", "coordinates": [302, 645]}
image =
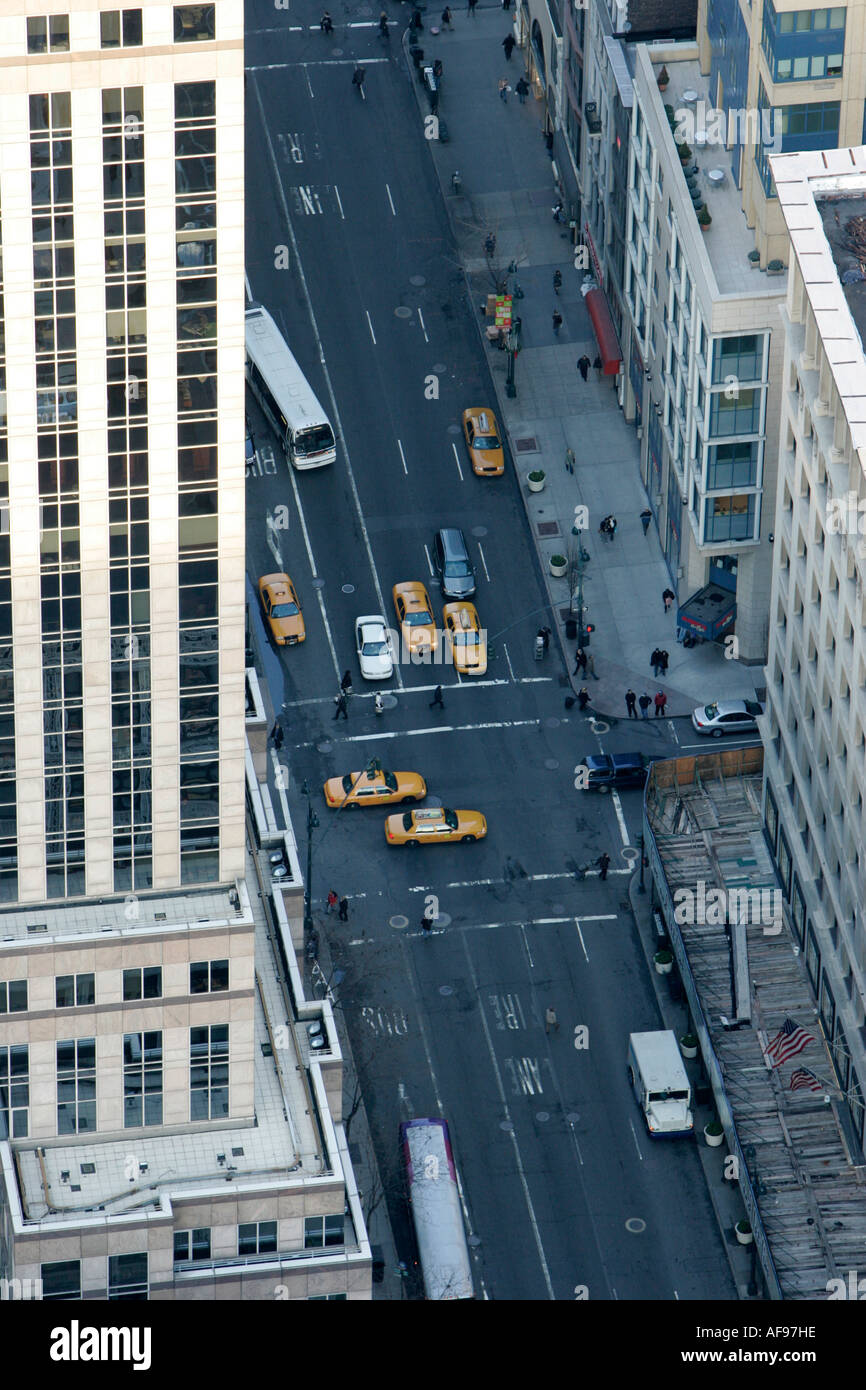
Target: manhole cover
{"type": "Point", "coordinates": [552, 722]}
{"type": "Point", "coordinates": [348, 588]}
{"type": "Point", "coordinates": [442, 919]}
{"type": "Point", "coordinates": [551, 764]}
{"type": "Point", "coordinates": [446, 990]}
{"type": "Point", "coordinates": [388, 700]}
{"type": "Point", "coordinates": [439, 368]}
{"type": "Point", "coordinates": [635, 1225]}
{"type": "Point", "coordinates": [548, 528]}
{"type": "Point", "coordinates": [417, 280]}
{"type": "Point", "coordinates": [542, 1117]}
{"type": "Point", "coordinates": [403, 312]}
{"type": "Point", "coordinates": [506, 1126]}
{"type": "Point", "coordinates": [434, 800]}
{"type": "Point", "coordinates": [473, 1240]}
{"type": "Point", "coordinates": [629, 853]}
{"type": "Point", "coordinates": [572, 1117]}
{"type": "Point", "coordinates": [399, 922]}
{"type": "Point", "coordinates": [479, 531]}
{"type": "Point", "coordinates": [528, 444]}
{"type": "Point", "coordinates": [557, 908]}
{"type": "Point", "coordinates": [317, 583]}
{"type": "Point", "coordinates": [326, 747]}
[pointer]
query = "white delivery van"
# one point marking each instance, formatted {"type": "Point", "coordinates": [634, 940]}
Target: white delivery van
{"type": "Point", "coordinates": [660, 1084]}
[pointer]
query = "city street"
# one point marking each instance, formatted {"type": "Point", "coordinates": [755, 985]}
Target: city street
{"type": "Point", "coordinates": [349, 247]}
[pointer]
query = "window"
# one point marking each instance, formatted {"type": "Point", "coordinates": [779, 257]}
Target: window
{"type": "Point", "coordinates": [257, 1238]}
{"type": "Point", "coordinates": [741, 356]}
{"type": "Point", "coordinates": [145, 983]}
{"type": "Point", "coordinates": [193, 23]}
{"type": "Point", "coordinates": [120, 28]}
{"type": "Point", "coordinates": [14, 1091]}
{"type": "Point", "coordinates": [192, 1245]}
{"type": "Point", "coordinates": [803, 44]}
{"type": "Point", "coordinates": [76, 1086]}
{"type": "Point", "coordinates": [209, 1072]}
{"type": "Point", "coordinates": [48, 35]}
{"type": "Point", "coordinates": [321, 1231]}
{"type": "Point", "coordinates": [741, 414]}
{"type": "Point", "coordinates": [733, 465]}
{"type": "Point", "coordinates": [127, 1277]}
{"type": "Point", "coordinates": [208, 976]}
{"type": "Point", "coordinates": [61, 1280]}
{"type": "Point", "coordinates": [730, 518]}
{"type": "Point", "coordinates": [72, 990]}
{"type": "Point", "coordinates": [142, 1079]}
{"type": "Point", "coordinates": [813, 126]}
{"type": "Point", "coordinates": [13, 996]}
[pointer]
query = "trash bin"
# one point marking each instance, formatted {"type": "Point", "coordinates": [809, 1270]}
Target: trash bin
{"type": "Point", "coordinates": [378, 1264]}
{"type": "Point", "coordinates": [571, 628]}
{"type": "Point", "coordinates": [416, 54]}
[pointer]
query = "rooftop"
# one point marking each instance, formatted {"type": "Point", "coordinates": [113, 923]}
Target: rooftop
{"type": "Point", "coordinates": [801, 1155]}
{"type": "Point", "coordinates": [843, 217]}
{"type": "Point", "coordinates": [124, 916]}
{"type": "Point", "coordinates": [80, 1182]}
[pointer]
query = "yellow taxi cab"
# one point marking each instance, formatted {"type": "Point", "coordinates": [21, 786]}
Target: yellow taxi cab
{"type": "Point", "coordinates": [415, 614]}
{"type": "Point", "coordinates": [483, 441]}
{"type": "Point", "coordinates": [434, 825]}
{"type": "Point", "coordinates": [466, 636]}
{"type": "Point", "coordinates": [358, 789]}
{"type": "Point", "coordinates": [282, 608]}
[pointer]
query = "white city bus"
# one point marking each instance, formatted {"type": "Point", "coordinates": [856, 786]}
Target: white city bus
{"type": "Point", "coordinates": [284, 394]}
{"type": "Point", "coordinates": [432, 1182]}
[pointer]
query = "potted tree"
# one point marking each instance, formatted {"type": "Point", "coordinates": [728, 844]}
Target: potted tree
{"type": "Point", "coordinates": [689, 1045]}
{"type": "Point", "coordinates": [663, 79]}
{"type": "Point", "coordinates": [558, 566]}
{"type": "Point", "coordinates": [663, 962]}
{"type": "Point", "coordinates": [714, 1134]}
{"type": "Point", "coordinates": [755, 259]}
{"type": "Point", "coordinates": [743, 1232]}
{"type": "Point", "coordinates": [685, 153]}
{"type": "Point", "coordinates": [536, 480]}
{"type": "Point", "coordinates": [704, 219]}
{"type": "Point", "coordinates": [775, 267]}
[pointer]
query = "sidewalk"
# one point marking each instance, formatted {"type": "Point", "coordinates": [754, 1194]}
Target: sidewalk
{"type": "Point", "coordinates": [508, 189]}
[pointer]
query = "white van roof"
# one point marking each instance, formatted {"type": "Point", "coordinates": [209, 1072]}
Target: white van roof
{"type": "Point", "coordinates": [660, 1059]}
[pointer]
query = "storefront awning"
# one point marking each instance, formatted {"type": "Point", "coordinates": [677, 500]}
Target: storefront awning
{"type": "Point", "coordinates": [709, 612]}
{"type": "Point", "coordinates": [605, 333]}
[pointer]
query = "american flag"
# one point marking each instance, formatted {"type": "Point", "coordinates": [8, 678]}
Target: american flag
{"type": "Point", "coordinates": [805, 1080]}
{"type": "Point", "coordinates": [789, 1040]}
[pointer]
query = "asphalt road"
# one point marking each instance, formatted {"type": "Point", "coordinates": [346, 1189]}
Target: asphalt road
{"type": "Point", "coordinates": [561, 1186]}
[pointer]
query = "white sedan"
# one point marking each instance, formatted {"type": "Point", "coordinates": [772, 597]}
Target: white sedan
{"type": "Point", "coordinates": [373, 645]}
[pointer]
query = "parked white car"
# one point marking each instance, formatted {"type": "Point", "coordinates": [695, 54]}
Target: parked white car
{"type": "Point", "coordinates": [728, 717]}
{"type": "Point", "coordinates": [373, 645]}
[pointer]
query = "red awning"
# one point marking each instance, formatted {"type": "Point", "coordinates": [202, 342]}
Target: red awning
{"type": "Point", "coordinates": [608, 343]}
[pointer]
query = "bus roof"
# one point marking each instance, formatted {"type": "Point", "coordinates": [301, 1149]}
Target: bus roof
{"type": "Point", "coordinates": [436, 1209]}
{"type": "Point", "coordinates": [267, 348]}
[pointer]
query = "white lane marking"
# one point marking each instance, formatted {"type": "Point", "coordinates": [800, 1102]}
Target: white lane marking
{"type": "Point", "coordinates": [402, 457]}
{"type": "Point", "coordinates": [367, 311]}
{"type": "Point", "coordinates": [429, 562]}
{"type": "Point", "coordinates": [417, 733]}
{"type": "Point", "coordinates": [494, 1062]}
{"type": "Point", "coordinates": [309, 547]}
{"type": "Point", "coordinates": [530, 878]}
{"type": "Point", "coordinates": [673, 728]}
{"type": "Point", "coordinates": [636, 1144]}
{"type": "Point", "coordinates": [483, 561]}
{"type": "Point", "coordinates": [526, 947]}
{"type": "Point", "coordinates": [422, 690]}
{"type": "Point", "coordinates": [423, 326]}
{"type": "Point", "coordinates": [309, 83]}
{"type": "Point", "coordinates": [598, 917]}
{"type": "Point", "coordinates": [582, 942]}
{"type": "Point", "coordinates": [617, 806]}
{"type": "Point", "coordinates": [510, 667]}
{"type": "Point", "coordinates": [319, 63]}
{"type": "Point", "coordinates": [339, 202]}
{"type": "Point", "coordinates": [390, 200]}
{"type": "Point", "coordinates": [335, 416]}
{"type": "Point", "coordinates": [457, 461]}
{"type": "Point", "coordinates": [676, 1296]}
{"type": "Point", "coordinates": [719, 746]}
{"type": "Point", "coordinates": [522, 923]}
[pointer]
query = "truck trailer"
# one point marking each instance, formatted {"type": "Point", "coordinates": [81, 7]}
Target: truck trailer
{"type": "Point", "coordinates": [661, 1086]}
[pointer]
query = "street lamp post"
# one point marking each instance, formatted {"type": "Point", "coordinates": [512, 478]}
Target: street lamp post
{"type": "Point", "coordinates": [312, 824]}
{"type": "Point", "coordinates": [513, 347]}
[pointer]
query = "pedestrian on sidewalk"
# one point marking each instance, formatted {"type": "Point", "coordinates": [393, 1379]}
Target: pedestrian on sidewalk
{"type": "Point", "coordinates": [583, 698]}
{"type": "Point", "coordinates": [416, 21]}
{"type": "Point", "coordinates": [437, 698]}
{"type": "Point", "coordinates": [646, 517]}
{"type": "Point", "coordinates": [343, 914]}
{"type": "Point", "coordinates": [489, 245]}
{"type": "Point", "coordinates": [346, 683]}
{"type": "Point", "coordinates": [446, 18]}
{"type": "Point", "coordinates": [437, 69]}
{"type": "Point", "coordinates": [557, 281]}
{"type": "Point", "coordinates": [551, 1022]}
{"type": "Point", "coordinates": [579, 662]}
{"type": "Point", "coordinates": [470, 7]}
{"type": "Point", "coordinates": [508, 43]}
{"type": "Point", "coordinates": [331, 903]}
{"type": "Point", "coordinates": [603, 863]}
{"type": "Point", "coordinates": [277, 735]}
{"type": "Point", "coordinates": [598, 365]}
{"type": "Point", "coordinates": [630, 702]}
{"type": "Point", "coordinates": [668, 597]}
{"type": "Point", "coordinates": [522, 90]}
{"type": "Point", "coordinates": [569, 461]}
{"type": "Point", "coordinates": [661, 701]}
{"type": "Point", "coordinates": [503, 89]}
{"type": "Point", "coordinates": [583, 366]}
{"type": "Point", "coordinates": [611, 527]}
{"type": "Point", "coordinates": [557, 321]}
{"type": "Point", "coordinates": [664, 659]}
{"type": "Point", "coordinates": [644, 703]}
{"type": "Point", "coordinates": [590, 665]}
{"type": "Point", "coordinates": [342, 706]}
{"type": "Point", "coordinates": [426, 924]}
{"type": "Point", "coordinates": [656, 661]}
{"type": "Point", "coordinates": [544, 634]}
